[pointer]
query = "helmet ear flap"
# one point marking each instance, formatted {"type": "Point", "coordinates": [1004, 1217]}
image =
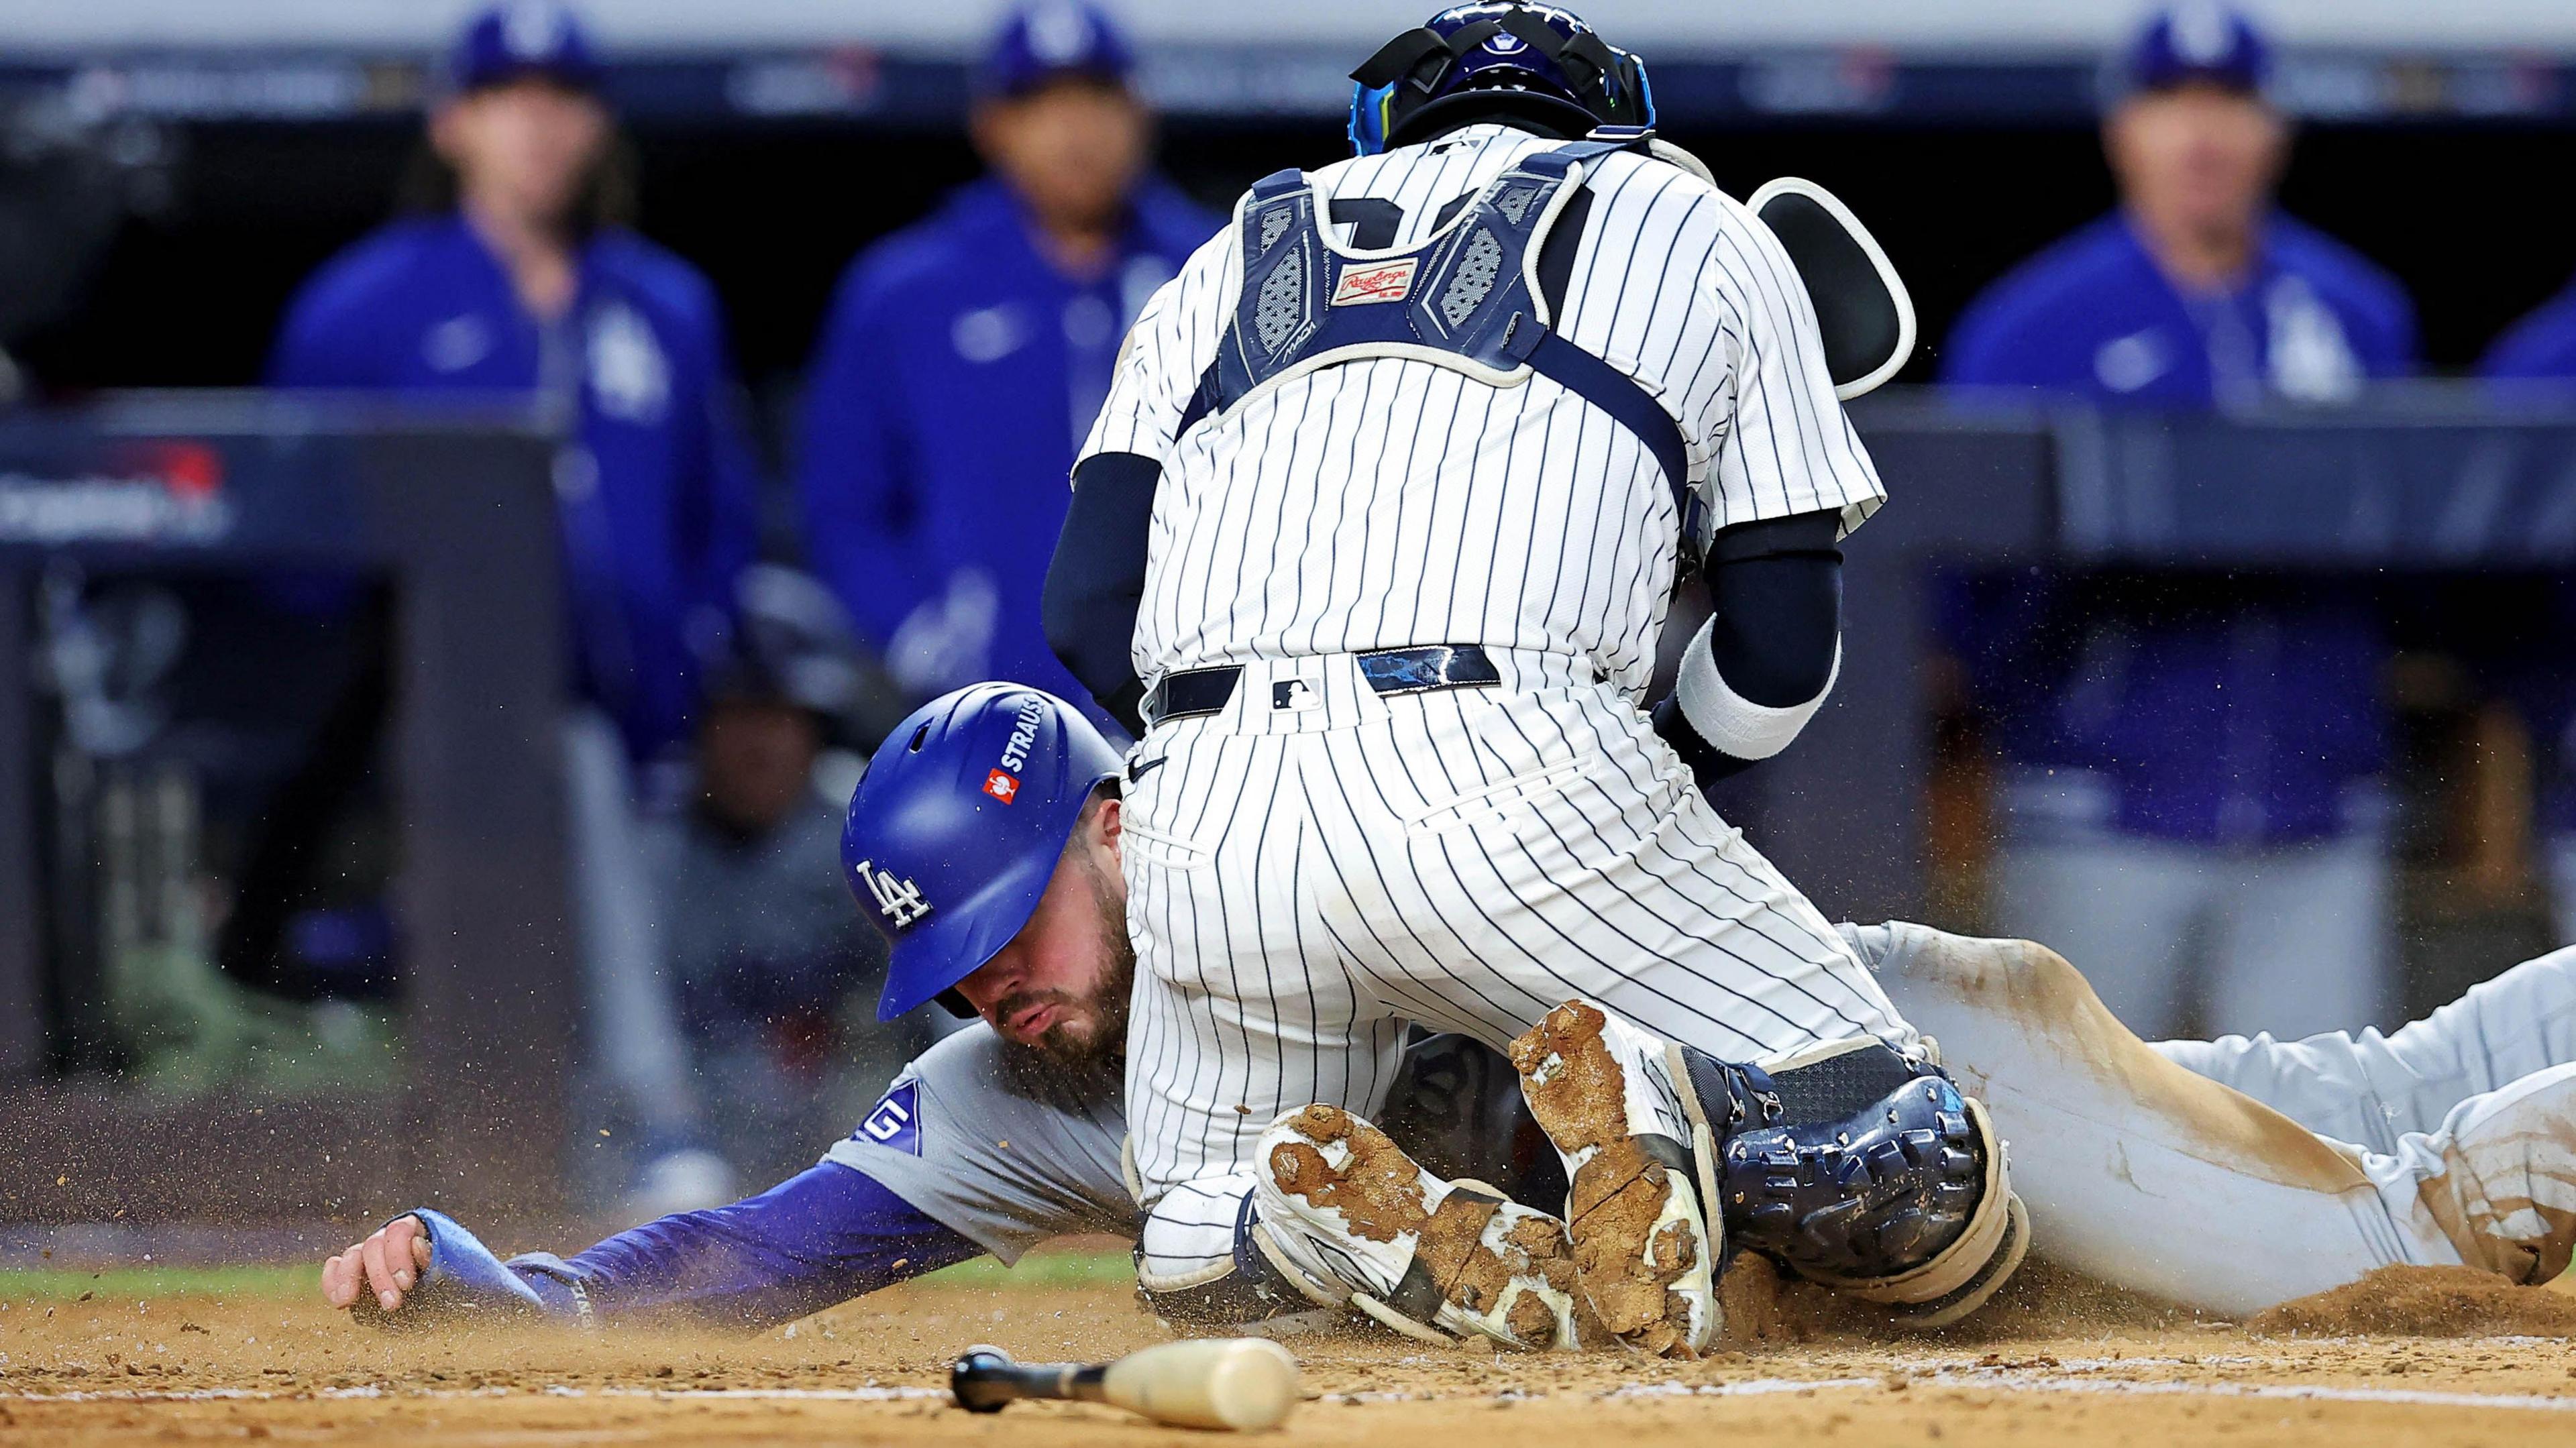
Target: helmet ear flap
{"type": "Point", "coordinates": [1368, 118]}
{"type": "Point", "coordinates": [1402, 58]}
{"type": "Point", "coordinates": [1419, 56]}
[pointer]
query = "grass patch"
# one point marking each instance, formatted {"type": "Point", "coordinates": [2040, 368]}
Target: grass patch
{"type": "Point", "coordinates": [131, 1283]}
{"type": "Point", "coordinates": [1085, 1267]}
{"type": "Point", "coordinates": [1081, 1267]}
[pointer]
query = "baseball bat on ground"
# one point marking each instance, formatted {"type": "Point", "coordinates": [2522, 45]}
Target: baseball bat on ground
{"type": "Point", "coordinates": [1243, 1383]}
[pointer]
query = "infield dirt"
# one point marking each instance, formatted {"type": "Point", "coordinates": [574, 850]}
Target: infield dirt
{"type": "Point", "coordinates": [2054, 1362]}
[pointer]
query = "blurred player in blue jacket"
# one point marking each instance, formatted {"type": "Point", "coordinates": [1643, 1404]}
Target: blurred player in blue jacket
{"type": "Point", "coordinates": [2197, 292]}
{"type": "Point", "coordinates": [526, 285]}
{"type": "Point", "coordinates": [966, 356]}
{"type": "Point", "coordinates": [520, 282]}
{"type": "Point", "coordinates": [2535, 360]}
{"type": "Point", "coordinates": [2190, 763]}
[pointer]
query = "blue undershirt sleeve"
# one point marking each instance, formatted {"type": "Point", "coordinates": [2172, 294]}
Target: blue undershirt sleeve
{"type": "Point", "coordinates": [823, 1236]}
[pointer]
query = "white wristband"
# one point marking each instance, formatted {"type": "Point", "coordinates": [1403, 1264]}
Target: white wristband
{"type": "Point", "coordinates": [1730, 722]}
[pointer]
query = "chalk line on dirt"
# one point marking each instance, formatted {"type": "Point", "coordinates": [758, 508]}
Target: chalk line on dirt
{"type": "Point", "coordinates": [376, 1390]}
{"type": "Point", "coordinates": [1990, 1381]}
{"type": "Point", "coordinates": [2018, 1383]}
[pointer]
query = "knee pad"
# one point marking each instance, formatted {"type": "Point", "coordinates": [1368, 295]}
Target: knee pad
{"type": "Point", "coordinates": [1862, 1169]}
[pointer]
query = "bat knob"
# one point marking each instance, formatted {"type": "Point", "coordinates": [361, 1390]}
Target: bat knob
{"type": "Point", "coordinates": [981, 1382]}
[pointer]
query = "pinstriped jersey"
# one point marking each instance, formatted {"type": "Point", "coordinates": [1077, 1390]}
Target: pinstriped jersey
{"type": "Point", "coordinates": [1392, 501]}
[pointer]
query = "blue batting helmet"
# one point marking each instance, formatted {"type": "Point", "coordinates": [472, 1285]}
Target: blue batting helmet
{"type": "Point", "coordinates": [1539, 64]}
{"type": "Point", "coordinates": [956, 827]}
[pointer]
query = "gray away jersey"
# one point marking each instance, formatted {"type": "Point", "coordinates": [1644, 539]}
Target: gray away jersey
{"type": "Point", "coordinates": [999, 1144]}
{"type": "Point", "coordinates": [1391, 502]}
{"type": "Point", "coordinates": [1006, 1148]}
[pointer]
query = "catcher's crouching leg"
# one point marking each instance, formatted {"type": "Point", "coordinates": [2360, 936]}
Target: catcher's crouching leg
{"type": "Point", "coordinates": [1861, 1169]}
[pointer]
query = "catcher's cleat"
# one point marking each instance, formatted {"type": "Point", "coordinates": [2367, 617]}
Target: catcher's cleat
{"type": "Point", "coordinates": [1603, 1092]}
{"type": "Point", "coordinates": [1342, 1206]}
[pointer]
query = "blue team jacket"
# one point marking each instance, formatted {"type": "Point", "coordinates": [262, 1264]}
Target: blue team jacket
{"type": "Point", "coordinates": [956, 377]}
{"type": "Point", "coordinates": [2093, 315]}
{"type": "Point", "coordinates": [2540, 347]}
{"type": "Point", "coordinates": [658, 495]}
{"type": "Point", "coordinates": [2241, 724]}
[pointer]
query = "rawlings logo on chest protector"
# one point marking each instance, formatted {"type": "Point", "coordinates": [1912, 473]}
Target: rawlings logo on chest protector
{"type": "Point", "coordinates": [1363, 284]}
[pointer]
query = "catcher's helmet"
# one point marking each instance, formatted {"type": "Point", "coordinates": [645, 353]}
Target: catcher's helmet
{"type": "Point", "coordinates": [1539, 64]}
{"type": "Point", "coordinates": [956, 827]}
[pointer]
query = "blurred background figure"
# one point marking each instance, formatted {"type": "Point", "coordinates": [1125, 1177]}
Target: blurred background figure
{"type": "Point", "coordinates": [2535, 361]}
{"type": "Point", "coordinates": [965, 358]}
{"type": "Point", "coordinates": [519, 276]}
{"type": "Point", "coordinates": [2192, 789]}
{"type": "Point", "coordinates": [2198, 291]}
{"type": "Point", "coordinates": [68, 181]}
{"type": "Point", "coordinates": [762, 945]}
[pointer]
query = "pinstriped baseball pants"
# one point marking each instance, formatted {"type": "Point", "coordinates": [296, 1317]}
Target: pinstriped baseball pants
{"type": "Point", "coordinates": [1317, 866]}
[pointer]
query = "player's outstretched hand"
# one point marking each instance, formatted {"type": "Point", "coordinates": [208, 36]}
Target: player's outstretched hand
{"type": "Point", "coordinates": [388, 1263]}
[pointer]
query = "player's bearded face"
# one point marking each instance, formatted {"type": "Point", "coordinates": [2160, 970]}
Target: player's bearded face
{"type": "Point", "coordinates": [1089, 1022]}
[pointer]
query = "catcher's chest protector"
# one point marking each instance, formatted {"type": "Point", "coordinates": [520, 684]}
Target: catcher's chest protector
{"type": "Point", "coordinates": [1467, 300]}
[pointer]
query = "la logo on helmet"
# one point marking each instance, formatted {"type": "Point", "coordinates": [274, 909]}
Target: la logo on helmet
{"type": "Point", "coordinates": [899, 899]}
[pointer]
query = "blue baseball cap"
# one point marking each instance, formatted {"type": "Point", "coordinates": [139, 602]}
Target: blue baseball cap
{"type": "Point", "coordinates": [1049, 38]}
{"type": "Point", "coordinates": [2204, 41]}
{"type": "Point", "coordinates": [523, 38]}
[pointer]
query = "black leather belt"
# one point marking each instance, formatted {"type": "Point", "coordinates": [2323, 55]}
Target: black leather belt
{"type": "Point", "coordinates": [1188, 693]}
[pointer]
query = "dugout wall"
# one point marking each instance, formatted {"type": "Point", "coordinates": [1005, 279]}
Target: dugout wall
{"type": "Point", "coordinates": [451, 515]}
